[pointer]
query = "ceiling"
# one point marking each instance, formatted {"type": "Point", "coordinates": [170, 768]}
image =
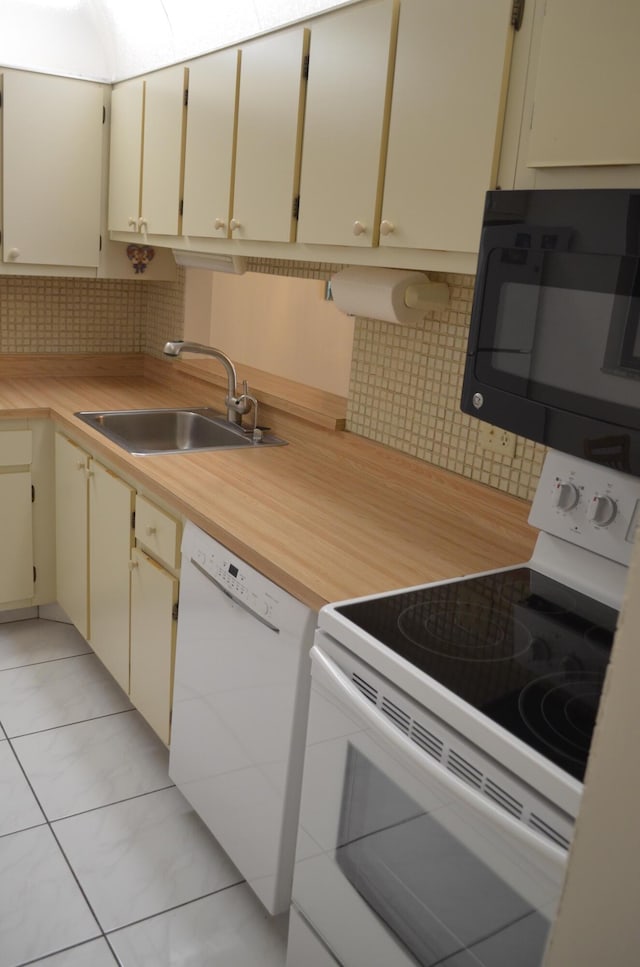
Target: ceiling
{"type": "Point", "coordinates": [108, 40]}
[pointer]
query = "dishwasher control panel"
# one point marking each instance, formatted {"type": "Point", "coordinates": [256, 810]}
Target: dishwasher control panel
{"type": "Point", "coordinates": [237, 579]}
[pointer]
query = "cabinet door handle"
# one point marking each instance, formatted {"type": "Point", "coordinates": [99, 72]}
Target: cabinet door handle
{"type": "Point", "coordinates": [150, 530]}
{"type": "Point", "coordinates": [142, 225]}
{"type": "Point", "coordinates": [219, 223]}
{"type": "Point", "coordinates": [233, 224]}
{"type": "Point", "coordinates": [13, 254]}
{"type": "Point", "coordinates": [133, 223]}
{"type": "Point", "coordinates": [81, 465]}
{"type": "Point", "coordinates": [359, 228]}
{"type": "Point", "coordinates": [133, 565]}
{"type": "Point", "coordinates": [387, 228]}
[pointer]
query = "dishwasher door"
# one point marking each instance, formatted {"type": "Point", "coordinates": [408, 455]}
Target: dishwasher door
{"type": "Point", "coordinates": [240, 701]}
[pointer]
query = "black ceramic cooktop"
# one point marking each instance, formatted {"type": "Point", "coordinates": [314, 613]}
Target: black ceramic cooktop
{"type": "Point", "coordinates": [528, 652]}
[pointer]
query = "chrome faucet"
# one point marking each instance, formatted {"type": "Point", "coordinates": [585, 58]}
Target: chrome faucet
{"type": "Point", "coordinates": [237, 404]}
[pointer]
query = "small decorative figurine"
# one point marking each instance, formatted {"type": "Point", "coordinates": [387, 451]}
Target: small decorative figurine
{"type": "Point", "coordinates": [140, 255]}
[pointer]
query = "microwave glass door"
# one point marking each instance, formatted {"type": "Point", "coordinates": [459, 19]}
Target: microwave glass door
{"type": "Point", "coordinates": [398, 861]}
{"type": "Point", "coordinates": [561, 328]}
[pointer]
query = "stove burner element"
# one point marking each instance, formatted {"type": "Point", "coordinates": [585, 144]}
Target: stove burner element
{"type": "Point", "coordinates": [465, 632]}
{"type": "Point", "coordinates": [560, 711]}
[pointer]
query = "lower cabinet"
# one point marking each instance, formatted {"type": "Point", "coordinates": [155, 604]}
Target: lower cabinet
{"type": "Point", "coordinates": [72, 531]}
{"type": "Point", "coordinates": [111, 503]}
{"type": "Point", "coordinates": [154, 599]}
{"type": "Point", "coordinates": [16, 569]}
{"type": "Point", "coordinates": [117, 577]}
{"type": "Point", "coordinates": [26, 561]}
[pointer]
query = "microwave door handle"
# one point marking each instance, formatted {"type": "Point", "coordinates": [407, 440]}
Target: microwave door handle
{"type": "Point", "coordinates": [327, 673]}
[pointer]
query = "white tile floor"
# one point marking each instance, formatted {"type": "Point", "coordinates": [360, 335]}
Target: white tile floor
{"type": "Point", "coordinates": [102, 861]}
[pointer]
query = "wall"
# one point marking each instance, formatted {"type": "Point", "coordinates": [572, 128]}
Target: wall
{"type": "Point", "coordinates": [405, 381]}
{"type": "Point", "coordinates": [598, 919]}
{"type": "Point", "coordinates": [55, 315]}
{"type": "Point", "coordinates": [281, 325]}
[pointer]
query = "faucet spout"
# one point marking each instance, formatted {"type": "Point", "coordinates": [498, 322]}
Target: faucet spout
{"type": "Point", "coordinates": [236, 405]}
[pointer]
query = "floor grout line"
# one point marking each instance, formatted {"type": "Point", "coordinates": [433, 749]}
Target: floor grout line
{"type": "Point", "coordinates": [101, 933]}
{"type": "Point", "coordinates": [68, 725]}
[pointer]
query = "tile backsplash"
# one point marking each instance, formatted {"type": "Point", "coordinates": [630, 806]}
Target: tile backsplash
{"type": "Point", "coordinates": [405, 380]}
{"type": "Point", "coordinates": [406, 383]}
{"type": "Point", "coordinates": [59, 315]}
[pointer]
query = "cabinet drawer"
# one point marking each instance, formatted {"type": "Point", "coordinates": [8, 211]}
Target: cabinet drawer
{"type": "Point", "coordinates": [15, 448]}
{"type": "Point", "coordinates": [158, 532]}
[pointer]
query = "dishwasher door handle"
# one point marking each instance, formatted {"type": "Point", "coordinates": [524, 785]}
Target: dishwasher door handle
{"type": "Point", "coordinates": [238, 601]}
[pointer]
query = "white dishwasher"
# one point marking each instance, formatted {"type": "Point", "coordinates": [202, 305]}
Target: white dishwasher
{"type": "Point", "coordinates": [240, 701]}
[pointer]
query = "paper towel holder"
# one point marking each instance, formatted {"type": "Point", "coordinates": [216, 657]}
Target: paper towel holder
{"type": "Point", "coordinates": [392, 295]}
{"type": "Point", "coordinates": [425, 295]}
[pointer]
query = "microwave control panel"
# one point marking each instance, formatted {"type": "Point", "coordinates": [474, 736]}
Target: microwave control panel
{"type": "Point", "coordinates": [587, 504]}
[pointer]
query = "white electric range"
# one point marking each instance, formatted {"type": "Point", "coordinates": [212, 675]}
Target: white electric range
{"type": "Point", "coordinates": [449, 732]}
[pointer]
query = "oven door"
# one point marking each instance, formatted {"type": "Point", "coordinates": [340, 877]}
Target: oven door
{"type": "Point", "coordinates": [398, 861]}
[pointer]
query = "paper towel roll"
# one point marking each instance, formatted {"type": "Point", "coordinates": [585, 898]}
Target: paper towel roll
{"type": "Point", "coordinates": [376, 293]}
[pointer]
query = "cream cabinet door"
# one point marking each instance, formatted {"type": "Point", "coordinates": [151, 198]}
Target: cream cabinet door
{"type": "Point", "coordinates": [446, 121]}
{"type": "Point", "coordinates": [270, 108]}
{"type": "Point", "coordinates": [162, 156]}
{"type": "Point", "coordinates": [125, 156]}
{"type": "Point", "coordinates": [587, 85]}
{"type": "Point", "coordinates": [52, 169]}
{"type": "Point", "coordinates": [72, 531]}
{"type": "Point", "coordinates": [210, 142]}
{"type": "Point", "coordinates": [154, 594]}
{"type": "Point", "coordinates": [111, 503]}
{"type": "Point", "coordinates": [16, 528]}
{"type": "Point", "coordinates": [348, 91]}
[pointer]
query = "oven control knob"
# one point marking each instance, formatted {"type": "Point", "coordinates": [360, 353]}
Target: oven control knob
{"type": "Point", "coordinates": [601, 510]}
{"type": "Point", "coordinates": [565, 495]}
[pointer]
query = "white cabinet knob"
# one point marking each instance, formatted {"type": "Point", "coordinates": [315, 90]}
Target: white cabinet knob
{"type": "Point", "coordinates": [219, 223]}
{"type": "Point", "coordinates": [142, 224]}
{"type": "Point", "coordinates": [133, 223]}
{"type": "Point", "coordinates": [387, 228]}
{"type": "Point", "coordinates": [359, 228]}
{"type": "Point", "coordinates": [133, 565]}
{"type": "Point", "coordinates": [233, 224]}
{"type": "Point", "coordinates": [13, 254]}
{"type": "Point", "coordinates": [150, 530]}
{"type": "Point", "coordinates": [81, 465]}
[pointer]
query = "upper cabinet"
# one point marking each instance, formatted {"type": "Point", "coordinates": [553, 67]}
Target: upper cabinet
{"type": "Point", "coordinates": [375, 127]}
{"type": "Point", "coordinates": [588, 74]}
{"type": "Point", "coordinates": [574, 73]}
{"type": "Point", "coordinates": [270, 110]}
{"type": "Point", "coordinates": [345, 130]}
{"type": "Point", "coordinates": [125, 156]}
{"type": "Point", "coordinates": [146, 161]}
{"type": "Point", "coordinates": [52, 138]}
{"type": "Point", "coordinates": [210, 144]}
{"type": "Point", "coordinates": [449, 87]}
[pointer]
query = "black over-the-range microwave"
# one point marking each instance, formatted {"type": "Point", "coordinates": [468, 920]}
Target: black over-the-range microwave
{"type": "Point", "coordinates": [554, 342]}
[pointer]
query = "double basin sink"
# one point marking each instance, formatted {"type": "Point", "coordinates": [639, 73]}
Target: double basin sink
{"type": "Point", "coordinates": [145, 432]}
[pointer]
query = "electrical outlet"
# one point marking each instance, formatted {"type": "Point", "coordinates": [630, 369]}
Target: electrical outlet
{"type": "Point", "coordinates": [495, 440]}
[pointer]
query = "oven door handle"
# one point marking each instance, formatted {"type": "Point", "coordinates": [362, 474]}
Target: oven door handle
{"type": "Point", "coordinates": [328, 674]}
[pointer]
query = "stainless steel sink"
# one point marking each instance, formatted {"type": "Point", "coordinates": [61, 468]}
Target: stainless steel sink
{"type": "Point", "coordinates": [144, 432]}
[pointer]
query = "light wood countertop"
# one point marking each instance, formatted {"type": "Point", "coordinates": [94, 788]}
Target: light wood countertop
{"type": "Point", "coordinates": [330, 516]}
